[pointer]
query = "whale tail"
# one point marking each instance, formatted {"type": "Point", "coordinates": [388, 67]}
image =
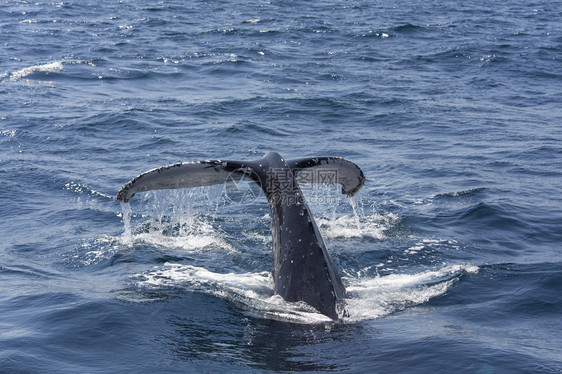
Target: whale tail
{"type": "Point", "coordinates": [302, 267]}
{"type": "Point", "coordinates": [206, 173]}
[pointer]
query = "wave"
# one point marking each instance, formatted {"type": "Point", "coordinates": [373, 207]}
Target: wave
{"type": "Point", "coordinates": [492, 216]}
{"type": "Point", "coordinates": [47, 68]}
{"type": "Point", "coordinates": [431, 245]}
{"type": "Point", "coordinates": [26, 270]}
{"type": "Point", "coordinates": [462, 193]}
{"type": "Point", "coordinates": [102, 249]}
{"type": "Point", "coordinates": [84, 189]}
{"type": "Point", "coordinates": [368, 297]}
{"type": "Point", "coordinates": [52, 67]}
{"type": "Point", "coordinates": [249, 128]}
{"type": "Point", "coordinates": [376, 297]}
{"type": "Point", "coordinates": [407, 27]}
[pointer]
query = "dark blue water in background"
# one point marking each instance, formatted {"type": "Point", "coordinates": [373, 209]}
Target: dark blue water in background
{"type": "Point", "coordinates": [451, 253]}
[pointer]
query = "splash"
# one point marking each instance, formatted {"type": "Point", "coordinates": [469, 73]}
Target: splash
{"type": "Point", "coordinates": [376, 297]}
{"type": "Point", "coordinates": [251, 291]}
{"type": "Point", "coordinates": [127, 236]}
{"type": "Point", "coordinates": [175, 225]}
{"type": "Point", "coordinates": [368, 297]}
{"type": "Point", "coordinates": [171, 223]}
{"type": "Point", "coordinates": [358, 225]}
{"type": "Point", "coordinates": [53, 67]}
{"type": "Point", "coordinates": [341, 217]}
{"type": "Point", "coordinates": [191, 234]}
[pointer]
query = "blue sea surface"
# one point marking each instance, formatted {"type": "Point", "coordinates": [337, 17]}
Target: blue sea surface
{"type": "Point", "coordinates": [451, 253]}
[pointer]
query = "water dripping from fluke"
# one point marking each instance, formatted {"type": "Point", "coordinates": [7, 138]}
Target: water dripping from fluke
{"type": "Point", "coordinates": [127, 236]}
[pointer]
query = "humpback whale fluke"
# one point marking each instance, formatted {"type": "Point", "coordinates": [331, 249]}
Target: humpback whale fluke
{"type": "Point", "coordinates": [302, 267]}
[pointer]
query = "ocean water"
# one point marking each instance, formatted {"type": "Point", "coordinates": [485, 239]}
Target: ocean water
{"type": "Point", "coordinates": [451, 253]}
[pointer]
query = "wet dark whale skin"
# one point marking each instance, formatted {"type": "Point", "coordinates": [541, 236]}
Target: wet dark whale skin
{"type": "Point", "coordinates": [303, 269]}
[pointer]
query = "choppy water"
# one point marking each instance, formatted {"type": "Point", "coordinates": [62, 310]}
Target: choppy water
{"type": "Point", "coordinates": [451, 254]}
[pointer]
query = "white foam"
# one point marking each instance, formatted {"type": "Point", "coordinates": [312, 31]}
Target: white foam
{"type": "Point", "coordinates": [186, 243]}
{"type": "Point", "coordinates": [432, 244]}
{"type": "Point", "coordinates": [414, 249]}
{"type": "Point", "coordinates": [84, 189]}
{"type": "Point", "coordinates": [192, 233]}
{"type": "Point", "coordinates": [252, 291]}
{"type": "Point", "coordinates": [93, 252]}
{"type": "Point", "coordinates": [368, 297]}
{"type": "Point", "coordinates": [394, 281]}
{"type": "Point", "coordinates": [249, 284]}
{"type": "Point", "coordinates": [357, 226]}
{"type": "Point", "coordinates": [52, 67]}
{"type": "Point", "coordinates": [375, 297]}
